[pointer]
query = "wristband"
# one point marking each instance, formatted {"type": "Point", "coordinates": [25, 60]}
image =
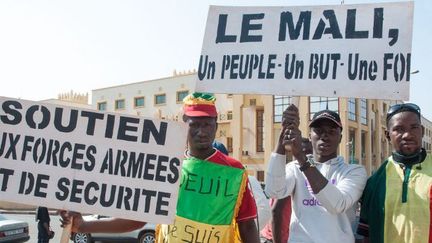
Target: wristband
{"type": "Point", "coordinates": [308, 164]}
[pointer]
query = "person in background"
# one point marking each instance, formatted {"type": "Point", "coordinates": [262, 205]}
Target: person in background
{"type": "Point", "coordinates": [396, 205]}
{"type": "Point", "coordinates": [44, 230]}
{"type": "Point", "coordinates": [277, 228]}
{"type": "Point", "coordinates": [261, 200]}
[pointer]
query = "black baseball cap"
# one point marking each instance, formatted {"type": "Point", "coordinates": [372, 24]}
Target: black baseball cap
{"type": "Point", "coordinates": [328, 115]}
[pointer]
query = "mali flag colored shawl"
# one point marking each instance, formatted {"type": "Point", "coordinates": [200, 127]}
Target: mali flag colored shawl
{"type": "Point", "coordinates": [209, 200]}
{"type": "Point", "coordinates": [396, 204]}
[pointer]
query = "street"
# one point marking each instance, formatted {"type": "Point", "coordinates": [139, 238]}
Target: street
{"type": "Point", "coordinates": [55, 226]}
{"type": "Point", "coordinates": [30, 219]}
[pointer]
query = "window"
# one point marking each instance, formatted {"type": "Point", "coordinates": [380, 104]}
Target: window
{"type": "Point", "coordinates": [260, 130]}
{"type": "Point", "coordinates": [260, 175]}
{"type": "Point", "coordinates": [352, 109]}
{"type": "Point", "coordinates": [160, 99]}
{"type": "Point", "coordinates": [363, 145]}
{"type": "Point", "coordinates": [321, 103]}
{"type": "Point", "coordinates": [280, 103]}
{"type": "Point", "coordinates": [101, 106]}
{"type": "Point", "coordinates": [229, 115]}
{"type": "Point", "coordinates": [181, 95]}
{"type": "Point", "coordinates": [138, 102]}
{"type": "Point", "coordinates": [230, 144]}
{"type": "Point", "coordinates": [363, 111]}
{"type": "Point", "coordinates": [120, 104]}
{"type": "Point", "coordinates": [351, 147]}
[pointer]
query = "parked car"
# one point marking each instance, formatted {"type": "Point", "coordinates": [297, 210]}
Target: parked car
{"type": "Point", "coordinates": [13, 230]}
{"type": "Point", "coordinates": [146, 234]}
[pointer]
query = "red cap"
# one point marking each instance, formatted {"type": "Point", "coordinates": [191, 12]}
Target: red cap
{"type": "Point", "coordinates": [199, 104]}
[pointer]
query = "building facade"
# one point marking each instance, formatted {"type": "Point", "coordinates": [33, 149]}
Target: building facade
{"type": "Point", "coordinates": [249, 125]}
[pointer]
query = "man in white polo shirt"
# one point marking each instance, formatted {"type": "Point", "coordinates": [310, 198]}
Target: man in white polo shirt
{"type": "Point", "coordinates": [324, 189]}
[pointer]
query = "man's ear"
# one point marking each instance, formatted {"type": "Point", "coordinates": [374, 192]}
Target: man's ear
{"type": "Point", "coordinates": [387, 135]}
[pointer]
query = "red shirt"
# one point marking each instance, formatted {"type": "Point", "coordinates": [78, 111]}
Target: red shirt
{"type": "Point", "coordinates": [248, 209]}
{"type": "Point", "coordinates": [267, 231]}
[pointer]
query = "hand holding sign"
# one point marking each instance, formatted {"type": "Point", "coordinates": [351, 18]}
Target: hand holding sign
{"type": "Point", "coordinates": [72, 158]}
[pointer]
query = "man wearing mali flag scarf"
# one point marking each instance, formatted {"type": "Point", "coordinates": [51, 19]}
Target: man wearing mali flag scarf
{"type": "Point", "coordinates": [396, 203]}
{"type": "Point", "coordinates": [214, 199]}
{"type": "Point", "coordinates": [214, 205]}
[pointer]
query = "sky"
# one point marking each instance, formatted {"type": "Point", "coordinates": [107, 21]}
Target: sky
{"type": "Point", "coordinates": [49, 47]}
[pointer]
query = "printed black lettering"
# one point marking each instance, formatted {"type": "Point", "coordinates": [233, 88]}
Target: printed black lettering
{"type": "Point", "coordinates": [6, 174]}
{"type": "Point", "coordinates": [107, 163]}
{"type": "Point", "coordinates": [77, 154]}
{"type": "Point", "coordinates": [350, 31]}
{"type": "Point", "coordinates": [91, 162]}
{"type": "Point", "coordinates": [148, 166]}
{"type": "Point", "coordinates": [124, 128]}
{"type": "Point", "coordinates": [87, 193]}
{"type": "Point", "coordinates": [161, 168]}
{"type": "Point", "coordinates": [26, 183]}
{"type": "Point", "coordinates": [62, 185]}
{"type": "Point", "coordinates": [286, 21]}
{"type": "Point", "coordinates": [64, 162]}
{"type": "Point", "coordinates": [135, 165]}
{"type": "Point", "coordinates": [40, 145]}
{"type": "Point", "coordinates": [26, 147]}
{"type": "Point", "coordinates": [120, 165]}
{"type": "Point", "coordinates": [91, 122]}
{"type": "Point", "coordinates": [332, 29]}
{"type": "Point", "coordinates": [11, 107]}
{"type": "Point", "coordinates": [158, 135]}
{"type": "Point", "coordinates": [103, 198]}
{"type": "Point", "coordinates": [41, 184]}
{"type": "Point", "coordinates": [109, 129]}
{"type": "Point", "coordinates": [174, 165]}
{"type": "Point", "coordinates": [247, 27]}
{"type": "Point", "coordinates": [30, 117]}
{"type": "Point", "coordinates": [13, 140]}
{"type": "Point", "coordinates": [221, 30]}
{"type": "Point", "coordinates": [148, 194]}
{"type": "Point", "coordinates": [73, 118]}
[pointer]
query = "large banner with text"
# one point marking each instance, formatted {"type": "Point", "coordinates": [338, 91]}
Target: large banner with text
{"type": "Point", "coordinates": [334, 51]}
{"type": "Point", "coordinates": [89, 161]}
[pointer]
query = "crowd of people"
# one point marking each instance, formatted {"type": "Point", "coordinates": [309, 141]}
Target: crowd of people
{"type": "Point", "coordinates": [314, 197]}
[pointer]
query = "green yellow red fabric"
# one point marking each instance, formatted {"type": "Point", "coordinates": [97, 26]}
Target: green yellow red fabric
{"type": "Point", "coordinates": [200, 104]}
{"type": "Point", "coordinates": [208, 203]}
{"type": "Point", "coordinates": [396, 203]}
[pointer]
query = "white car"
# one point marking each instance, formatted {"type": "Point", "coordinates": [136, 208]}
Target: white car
{"type": "Point", "coordinates": [146, 234]}
{"type": "Point", "coordinates": [13, 230]}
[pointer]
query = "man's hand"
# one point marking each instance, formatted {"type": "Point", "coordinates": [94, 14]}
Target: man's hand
{"type": "Point", "coordinates": [290, 117]}
{"type": "Point", "coordinates": [290, 136]}
{"type": "Point", "coordinates": [68, 216]}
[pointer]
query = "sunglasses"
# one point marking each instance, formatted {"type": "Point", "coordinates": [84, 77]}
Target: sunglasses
{"type": "Point", "coordinates": [394, 109]}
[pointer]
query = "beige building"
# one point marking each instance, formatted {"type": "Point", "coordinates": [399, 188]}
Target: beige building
{"type": "Point", "coordinates": [427, 138]}
{"type": "Point", "coordinates": [249, 125]}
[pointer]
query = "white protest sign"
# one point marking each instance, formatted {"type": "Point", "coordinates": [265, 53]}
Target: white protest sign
{"type": "Point", "coordinates": [334, 51]}
{"type": "Point", "coordinates": [89, 161]}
